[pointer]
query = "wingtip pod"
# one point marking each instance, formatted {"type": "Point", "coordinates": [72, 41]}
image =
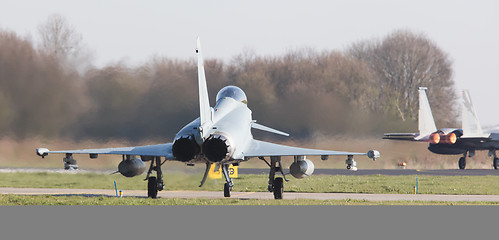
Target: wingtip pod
{"type": "Point", "coordinates": [373, 154]}
{"type": "Point", "coordinates": [42, 152]}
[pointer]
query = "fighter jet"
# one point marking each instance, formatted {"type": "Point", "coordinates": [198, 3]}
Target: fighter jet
{"type": "Point", "coordinates": [221, 135]}
{"type": "Point", "coordinates": [452, 141]}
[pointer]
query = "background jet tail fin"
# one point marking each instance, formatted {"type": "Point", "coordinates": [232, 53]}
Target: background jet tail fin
{"type": "Point", "coordinates": [426, 123]}
{"type": "Point", "coordinates": [204, 102]}
{"type": "Point", "coordinates": [470, 123]}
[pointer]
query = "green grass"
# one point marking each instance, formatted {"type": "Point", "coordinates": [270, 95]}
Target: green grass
{"type": "Point", "coordinates": [380, 184]}
{"type": "Point", "coordinates": [481, 185]}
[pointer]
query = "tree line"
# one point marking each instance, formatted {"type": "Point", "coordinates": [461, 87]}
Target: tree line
{"type": "Point", "coordinates": [51, 89]}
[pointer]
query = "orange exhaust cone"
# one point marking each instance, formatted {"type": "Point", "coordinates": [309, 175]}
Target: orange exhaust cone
{"type": "Point", "coordinates": [435, 138]}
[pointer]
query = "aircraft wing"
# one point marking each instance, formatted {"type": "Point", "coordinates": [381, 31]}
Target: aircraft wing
{"type": "Point", "coordinates": [265, 149]}
{"type": "Point", "coordinates": [401, 136]}
{"type": "Point", "coordinates": [162, 150]}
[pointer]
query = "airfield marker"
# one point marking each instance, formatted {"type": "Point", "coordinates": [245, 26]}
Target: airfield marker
{"type": "Point", "coordinates": [116, 189]}
{"type": "Point", "coordinates": [417, 185]}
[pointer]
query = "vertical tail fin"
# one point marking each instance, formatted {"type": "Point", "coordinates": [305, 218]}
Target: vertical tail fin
{"type": "Point", "coordinates": [426, 123]}
{"type": "Point", "coordinates": [204, 102]}
{"type": "Point", "coordinates": [470, 123]}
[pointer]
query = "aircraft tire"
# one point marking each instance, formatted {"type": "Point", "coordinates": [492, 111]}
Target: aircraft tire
{"type": "Point", "coordinates": [278, 188]}
{"type": "Point", "coordinates": [462, 163]}
{"type": "Point", "coordinates": [496, 163]}
{"type": "Point", "coordinates": [226, 190]}
{"type": "Point", "coordinates": [152, 187]}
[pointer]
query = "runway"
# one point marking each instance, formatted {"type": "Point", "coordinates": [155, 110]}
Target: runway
{"type": "Point", "coordinates": [249, 195]}
{"type": "Point", "coordinates": [388, 172]}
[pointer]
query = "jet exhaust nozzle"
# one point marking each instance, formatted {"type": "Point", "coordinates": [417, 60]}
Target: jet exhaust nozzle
{"type": "Point", "coordinates": [218, 148]}
{"type": "Point", "coordinates": [185, 148]}
{"type": "Point", "coordinates": [442, 138]}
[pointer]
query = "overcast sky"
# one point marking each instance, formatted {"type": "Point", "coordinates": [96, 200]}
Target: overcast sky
{"type": "Point", "coordinates": [134, 31]}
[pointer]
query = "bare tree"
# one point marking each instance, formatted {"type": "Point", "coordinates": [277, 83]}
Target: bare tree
{"type": "Point", "coordinates": [402, 62]}
{"type": "Point", "coordinates": [35, 97]}
{"type": "Point", "coordinates": [58, 37]}
{"type": "Point", "coordinates": [60, 40]}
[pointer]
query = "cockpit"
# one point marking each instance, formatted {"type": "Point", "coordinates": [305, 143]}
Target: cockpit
{"type": "Point", "coordinates": [232, 92]}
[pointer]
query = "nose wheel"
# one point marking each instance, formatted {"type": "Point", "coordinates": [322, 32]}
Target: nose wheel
{"type": "Point", "coordinates": [227, 190]}
{"type": "Point", "coordinates": [228, 181]}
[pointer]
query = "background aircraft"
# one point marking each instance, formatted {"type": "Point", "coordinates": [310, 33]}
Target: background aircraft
{"type": "Point", "coordinates": [222, 136]}
{"type": "Point", "coordinates": [452, 141]}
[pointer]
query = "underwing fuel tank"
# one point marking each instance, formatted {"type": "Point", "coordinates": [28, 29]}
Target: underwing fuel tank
{"type": "Point", "coordinates": [131, 167]}
{"type": "Point", "coordinates": [301, 168]}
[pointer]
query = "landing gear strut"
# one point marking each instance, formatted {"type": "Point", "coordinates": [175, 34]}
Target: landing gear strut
{"type": "Point", "coordinates": [155, 184]}
{"type": "Point", "coordinates": [276, 185]}
{"type": "Point", "coordinates": [228, 181]}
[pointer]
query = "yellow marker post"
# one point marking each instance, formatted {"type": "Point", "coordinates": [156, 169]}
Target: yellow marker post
{"type": "Point", "coordinates": [212, 174]}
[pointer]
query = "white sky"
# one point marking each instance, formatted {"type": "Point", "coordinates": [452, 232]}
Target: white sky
{"type": "Point", "coordinates": [134, 31]}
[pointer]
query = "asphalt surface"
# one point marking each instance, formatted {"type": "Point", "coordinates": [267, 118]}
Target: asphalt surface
{"type": "Point", "coordinates": [249, 195]}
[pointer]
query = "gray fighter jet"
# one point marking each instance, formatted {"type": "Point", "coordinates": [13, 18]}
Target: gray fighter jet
{"type": "Point", "coordinates": [222, 136]}
{"type": "Point", "coordinates": [452, 141]}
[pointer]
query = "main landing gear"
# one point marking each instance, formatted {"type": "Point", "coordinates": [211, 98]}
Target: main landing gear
{"type": "Point", "coordinates": [351, 164]}
{"type": "Point", "coordinates": [276, 185]}
{"type": "Point", "coordinates": [462, 162]}
{"type": "Point", "coordinates": [154, 184]}
{"type": "Point", "coordinates": [471, 153]}
{"type": "Point", "coordinates": [495, 161]}
{"type": "Point", "coordinates": [69, 162]}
